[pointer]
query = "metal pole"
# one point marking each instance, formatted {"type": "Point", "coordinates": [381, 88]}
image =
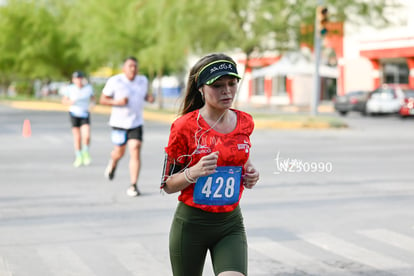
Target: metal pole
{"type": "Point", "coordinates": [316, 76]}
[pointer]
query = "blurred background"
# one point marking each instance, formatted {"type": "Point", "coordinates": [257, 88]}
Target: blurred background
{"type": "Point", "coordinates": [364, 44]}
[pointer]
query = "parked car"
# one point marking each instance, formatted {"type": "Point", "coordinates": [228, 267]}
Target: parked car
{"type": "Point", "coordinates": [351, 101]}
{"type": "Point", "coordinates": [387, 99]}
{"type": "Point", "coordinates": [407, 107]}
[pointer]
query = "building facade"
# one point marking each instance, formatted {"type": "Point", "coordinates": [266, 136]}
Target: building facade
{"type": "Point", "coordinates": [353, 58]}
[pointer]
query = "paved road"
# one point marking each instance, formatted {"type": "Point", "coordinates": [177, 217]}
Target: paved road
{"type": "Point", "coordinates": [330, 202]}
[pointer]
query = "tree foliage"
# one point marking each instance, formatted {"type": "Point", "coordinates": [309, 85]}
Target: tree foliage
{"type": "Point", "coordinates": [32, 44]}
{"type": "Point", "coordinates": [50, 39]}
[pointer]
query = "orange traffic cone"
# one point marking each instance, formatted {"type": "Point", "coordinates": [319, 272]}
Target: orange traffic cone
{"type": "Point", "coordinates": [27, 130]}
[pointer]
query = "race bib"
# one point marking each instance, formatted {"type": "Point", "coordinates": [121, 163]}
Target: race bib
{"type": "Point", "coordinates": [220, 188]}
{"type": "Point", "coordinates": [119, 136]}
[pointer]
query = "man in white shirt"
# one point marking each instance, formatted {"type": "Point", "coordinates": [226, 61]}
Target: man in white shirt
{"type": "Point", "coordinates": [126, 93]}
{"type": "Point", "coordinates": [79, 96]}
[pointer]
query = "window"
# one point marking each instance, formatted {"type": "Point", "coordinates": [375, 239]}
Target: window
{"type": "Point", "coordinates": [279, 86]}
{"type": "Point", "coordinates": [395, 73]}
{"type": "Point", "coordinates": [258, 86]}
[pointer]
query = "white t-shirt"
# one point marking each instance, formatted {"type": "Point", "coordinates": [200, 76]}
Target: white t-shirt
{"type": "Point", "coordinates": [81, 96]}
{"type": "Point", "coordinates": [119, 87]}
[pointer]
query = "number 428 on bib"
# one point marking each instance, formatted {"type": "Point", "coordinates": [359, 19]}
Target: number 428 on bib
{"type": "Point", "coordinates": [220, 188]}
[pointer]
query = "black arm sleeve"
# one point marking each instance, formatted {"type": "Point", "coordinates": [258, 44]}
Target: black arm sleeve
{"type": "Point", "coordinates": [171, 166]}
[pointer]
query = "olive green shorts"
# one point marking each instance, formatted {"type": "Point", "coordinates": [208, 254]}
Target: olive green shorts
{"type": "Point", "coordinates": [194, 231]}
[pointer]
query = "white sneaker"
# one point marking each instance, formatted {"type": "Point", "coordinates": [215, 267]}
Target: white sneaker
{"type": "Point", "coordinates": [133, 191]}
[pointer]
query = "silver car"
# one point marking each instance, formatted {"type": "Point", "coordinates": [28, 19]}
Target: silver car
{"type": "Point", "coordinates": [386, 99]}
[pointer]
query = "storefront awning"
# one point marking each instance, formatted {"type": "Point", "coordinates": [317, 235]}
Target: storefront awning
{"type": "Point", "coordinates": [295, 65]}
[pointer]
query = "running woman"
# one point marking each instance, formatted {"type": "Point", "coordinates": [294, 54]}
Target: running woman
{"type": "Point", "coordinates": [79, 96]}
{"type": "Point", "coordinates": [207, 161]}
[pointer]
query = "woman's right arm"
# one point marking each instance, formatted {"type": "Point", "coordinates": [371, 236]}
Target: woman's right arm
{"type": "Point", "coordinates": [181, 180]}
{"type": "Point", "coordinates": [176, 183]}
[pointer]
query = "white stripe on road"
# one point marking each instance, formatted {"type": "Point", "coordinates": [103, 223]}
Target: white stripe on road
{"type": "Point", "coordinates": [63, 261]}
{"type": "Point", "coordinates": [136, 259]}
{"type": "Point", "coordinates": [4, 267]}
{"type": "Point", "coordinates": [353, 252]}
{"type": "Point", "coordinates": [390, 237]}
{"type": "Point", "coordinates": [294, 259]}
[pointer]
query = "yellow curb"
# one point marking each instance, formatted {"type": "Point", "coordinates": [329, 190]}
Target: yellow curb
{"type": "Point", "coordinates": [154, 116]}
{"type": "Point", "coordinates": [49, 106]}
{"type": "Point", "coordinates": [326, 109]}
{"type": "Point", "coordinates": [163, 117]}
{"type": "Point", "coordinates": [99, 109]}
{"type": "Point", "coordinates": [265, 124]}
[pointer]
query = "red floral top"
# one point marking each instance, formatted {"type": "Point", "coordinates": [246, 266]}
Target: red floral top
{"type": "Point", "coordinates": [234, 149]}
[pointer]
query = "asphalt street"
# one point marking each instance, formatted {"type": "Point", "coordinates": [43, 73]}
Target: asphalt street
{"type": "Point", "coordinates": [330, 201]}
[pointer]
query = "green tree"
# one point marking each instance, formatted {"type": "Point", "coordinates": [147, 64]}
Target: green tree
{"type": "Point", "coordinates": [56, 37]}
{"type": "Point", "coordinates": [101, 29]}
{"type": "Point", "coordinates": [167, 47]}
{"type": "Point", "coordinates": [151, 30]}
{"type": "Point", "coordinates": [32, 44]}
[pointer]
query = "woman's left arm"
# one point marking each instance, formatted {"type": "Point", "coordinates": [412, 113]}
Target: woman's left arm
{"type": "Point", "coordinates": [251, 175]}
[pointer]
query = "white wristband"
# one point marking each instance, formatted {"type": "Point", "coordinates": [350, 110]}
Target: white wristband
{"type": "Point", "coordinates": [188, 177]}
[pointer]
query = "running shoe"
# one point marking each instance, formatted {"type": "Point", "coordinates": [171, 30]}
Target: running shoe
{"type": "Point", "coordinates": [78, 162]}
{"type": "Point", "coordinates": [133, 191]}
{"type": "Point", "coordinates": [86, 158]}
{"type": "Point", "coordinates": [110, 170]}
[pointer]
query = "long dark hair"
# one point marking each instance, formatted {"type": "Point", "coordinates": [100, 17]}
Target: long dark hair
{"type": "Point", "coordinates": [193, 99]}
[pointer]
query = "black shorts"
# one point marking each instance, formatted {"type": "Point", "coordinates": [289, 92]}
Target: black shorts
{"type": "Point", "coordinates": [78, 121]}
{"type": "Point", "coordinates": [194, 232]}
{"type": "Point", "coordinates": [133, 133]}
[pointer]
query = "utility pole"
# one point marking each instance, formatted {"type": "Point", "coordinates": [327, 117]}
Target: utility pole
{"type": "Point", "coordinates": [320, 30]}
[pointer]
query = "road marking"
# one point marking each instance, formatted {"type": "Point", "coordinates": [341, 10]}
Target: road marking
{"type": "Point", "coordinates": [137, 259]}
{"type": "Point", "coordinates": [63, 261]}
{"type": "Point", "coordinates": [353, 252]}
{"type": "Point", "coordinates": [390, 237]}
{"type": "Point", "coordinates": [290, 257]}
{"type": "Point", "coordinates": [4, 267]}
